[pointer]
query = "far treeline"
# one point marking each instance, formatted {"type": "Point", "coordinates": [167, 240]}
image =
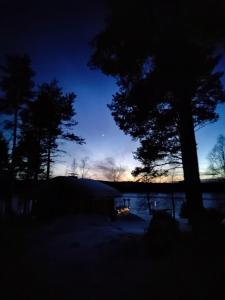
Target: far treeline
{"type": "Point", "coordinates": [34, 119]}
{"type": "Point", "coordinates": [144, 187]}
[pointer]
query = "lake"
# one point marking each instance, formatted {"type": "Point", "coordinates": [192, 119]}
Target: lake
{"type": "Point", "coordinates": [141, 204]}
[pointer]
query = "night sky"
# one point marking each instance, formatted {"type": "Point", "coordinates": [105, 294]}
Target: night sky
{"type": "Point", "coordinates": [56, 35]}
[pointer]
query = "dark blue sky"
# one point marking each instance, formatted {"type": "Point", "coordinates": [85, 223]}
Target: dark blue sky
{"type": "Point", "coordinates": [56, 35]}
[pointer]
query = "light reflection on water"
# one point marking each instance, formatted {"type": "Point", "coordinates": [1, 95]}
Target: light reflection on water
{"type": "Point", "coordinates": [138, 202]}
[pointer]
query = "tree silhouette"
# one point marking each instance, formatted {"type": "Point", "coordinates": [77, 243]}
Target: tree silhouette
{"type": "Point", "coordinates": [74, 169]}
{"type": "Point", "coordinates": [84, 168]}
{"type": "Point", "coordinates": [164, 65]}
{"type": "Point", "coordinates": [110, 170]}
{"type": "Point", "coordinates": [4, 157]}
{"type": "Point", "coordinates": [16, 83]}
{"type": "Point", "coordinates": [31, 149]}
{"type": "Point", "coordinates": [46, 120]}
{"type": "Point", "coordinates": [157, 157]}
{"type": "Point", "coordinates": [217, 158]}
{"type": "Point", "coordinates": [160, 147]}
{"type": "Point", "coordinates": [79, 169]}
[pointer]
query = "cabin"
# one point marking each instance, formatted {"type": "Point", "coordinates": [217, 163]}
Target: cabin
{"type": "Point", "coordinates": [67, 194]}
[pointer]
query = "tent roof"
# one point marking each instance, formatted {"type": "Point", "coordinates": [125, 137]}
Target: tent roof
{"type": "Point", "coordinates": [88, 187]}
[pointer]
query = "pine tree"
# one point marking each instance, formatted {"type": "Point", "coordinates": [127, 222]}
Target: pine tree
{"type": "Point", "coordinates": [163, 58]}
{"type": "Point", "coordinates": [47, 120]}
{"type": "Point", "coordinates": [16, 84]}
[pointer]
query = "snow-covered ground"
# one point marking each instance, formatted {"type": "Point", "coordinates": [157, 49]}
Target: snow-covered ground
{"type": "Point", "coordinates": [90, 257]}
{"type": "Point", "coordinates": [76, 257]}
{"type": "Point", "coordinates": [82, 237]}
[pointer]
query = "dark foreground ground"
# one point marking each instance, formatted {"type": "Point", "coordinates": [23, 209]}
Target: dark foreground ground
{"type": "Point", "coordinates": [89, 257]}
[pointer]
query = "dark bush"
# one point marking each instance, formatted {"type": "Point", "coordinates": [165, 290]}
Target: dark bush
{"type": "Point", "coordinates": [162, 233]}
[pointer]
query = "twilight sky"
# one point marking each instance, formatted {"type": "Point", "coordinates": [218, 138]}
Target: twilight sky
{"type": "Point", "coordinates": [56, 34]}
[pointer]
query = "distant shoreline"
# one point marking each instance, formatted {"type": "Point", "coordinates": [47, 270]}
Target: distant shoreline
{"type": "Point", "coordinates": [125, 186]}
{"type": "Point", "coordinates": [140, 187]}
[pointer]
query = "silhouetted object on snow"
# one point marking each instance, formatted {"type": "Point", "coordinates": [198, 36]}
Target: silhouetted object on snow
{"type": "Point", "coordinates": [162, 233]}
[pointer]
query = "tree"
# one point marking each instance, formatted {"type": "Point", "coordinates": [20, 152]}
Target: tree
{"type": "Point", "coordinates": [4, 157]}
{"type": "Point", "coordinates": [30, 154]}
{"type": "Point", "coordinates": [159, 149]}
{"type": "Point", "coordinates": [157, 159]}
{"type": "Point", "coordinates": [58, 118]}
{"type": "Point", "coordinates": [47, 120]}
{"type": "Point", "coordinates": [73, 170]}
{"type": "Point", "coordinates": [79, 169]}
{"type": "Point", "coordinates": [164, 61]}
{"type": "Point", "coordinates": [84, 168]}
{"type": "Point", "coordinates": [17, 84]}
{"type": "Point", "coordinates": [110, 170]}
{"type": "Point", "coordinates": [217, 158]}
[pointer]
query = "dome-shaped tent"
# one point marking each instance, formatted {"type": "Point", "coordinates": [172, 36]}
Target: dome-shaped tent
{"type": "Point", "coordinates": [67, 194]}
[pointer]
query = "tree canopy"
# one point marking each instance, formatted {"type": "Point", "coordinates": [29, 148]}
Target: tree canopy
{"type": "Point", "coordinates": [163, 55]}
{"type": "Point", "coordinates": [48, 119]}
{"type": "Point", "coordinates": [17, 85]}
{"type": "Point", "coordinates": [216, 158]}
{"type": "Point", "coordinates": [38, 119]}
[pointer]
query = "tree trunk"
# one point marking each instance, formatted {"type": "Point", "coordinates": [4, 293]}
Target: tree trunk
{"type": "Point", "coordinates": [48, 160]}
{"type": "Point", "coordinates": [15, 126]}
{"type": "Point", "coordinates": [8, 207]}
{"type": "Point", "coordinates": [38, 157]}
{"type": "Point", "coordinates": [190, 160]}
